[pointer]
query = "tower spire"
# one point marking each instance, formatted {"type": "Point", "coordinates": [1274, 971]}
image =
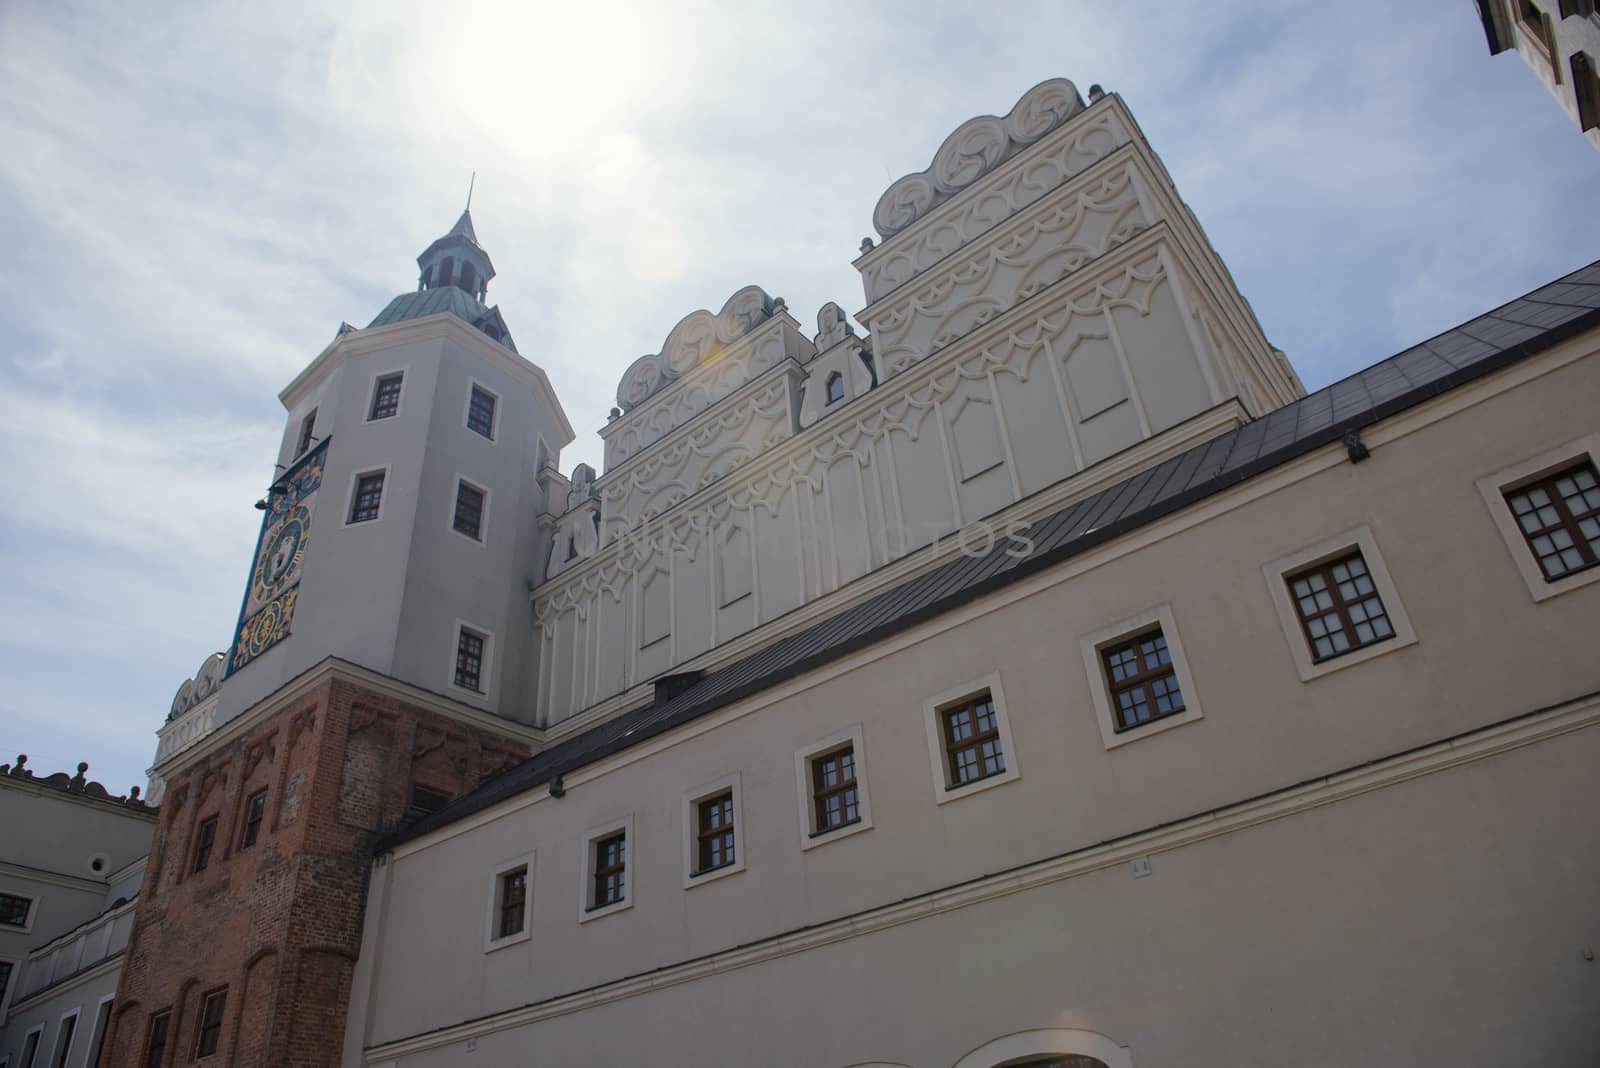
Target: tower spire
{"type": "Point", "coordinates": [456, 259]}
{"type": "Point", "coordinates": [470, 184]}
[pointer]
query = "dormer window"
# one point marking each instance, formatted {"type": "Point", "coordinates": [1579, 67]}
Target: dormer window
{"type": "Point", "coordinates": [835, 387]}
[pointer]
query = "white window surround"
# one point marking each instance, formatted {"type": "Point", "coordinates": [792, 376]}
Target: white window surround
{"type": "Point", "coordinates": [466, 411]}
{"type": "Point", "coordinates": [33, 911]}
{"type": "Point", "coordinates": [56, 1052]}
{"type": "Point", "coordinates": [691, 831]}
{"type": "Point", "coordinates": [483, 520]}
{"type": "Point", "coordinates": [485, 667]}
{"type": "Point", "coordinates": [350, 497]}
{"type": "Point", "coordinates": [11, 984]}
{"type": "Point", "coordinates": [852, 736]}
{"type": "Point", "coordinates": [97, 1036]}
{"type": "Point", "coordinates": [933, 709]}
{"type": "Point", "coordinates": [372, 395]}
{"type": "Point", "coordinates": [1276, 575]}
{"type": "Point", "coordinates": [492, 924]}
{"type": "Point", "coordinates": [1493, 489]}
{"type": "Point", "coordinates": [1100, 688]}
{"type": "Point", "coordinates": [36, 1032]}
{"type": "Point", "coordinates": [586, 868]}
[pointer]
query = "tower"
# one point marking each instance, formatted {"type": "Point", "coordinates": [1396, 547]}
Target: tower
{"type": "Point", "coordinates": [369, 676]}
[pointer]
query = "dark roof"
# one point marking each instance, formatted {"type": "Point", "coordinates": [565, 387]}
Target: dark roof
{"type": "Point", "coordinates": [445, 299]}
{"type": "Point", "coordinates": [1494, 340]}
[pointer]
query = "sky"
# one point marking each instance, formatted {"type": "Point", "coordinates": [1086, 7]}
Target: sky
{"type": "Point", "coordinates": [194, 196]}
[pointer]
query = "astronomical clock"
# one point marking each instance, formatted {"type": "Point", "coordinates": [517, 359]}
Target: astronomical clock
{"type": "Point", "coordinates": [269, 598]}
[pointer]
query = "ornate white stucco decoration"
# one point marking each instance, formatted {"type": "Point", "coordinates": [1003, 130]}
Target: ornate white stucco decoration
{"type": "Point", "coordinates": [977, 147]}
{"type": "Point", "coordinates": [697, 339]}
{"type": "Point", "coordinates": [831, 326]}
{"type": "Point", "coordinates": [203, 685]}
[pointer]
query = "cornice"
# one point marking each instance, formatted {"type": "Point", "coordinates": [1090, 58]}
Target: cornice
{"type": "Point", "coordinates": [40, 875]}
{"type": "Point", "coordinates": [438, 326]}
{"type": "Point", "coordinates": [108, 805]}
{"type": "Point", "coordinates": [1395, 769]}
{"type": "Point", "coordinates": [110, 963]}
{"type": "Point", "coordinates": [328, 670]}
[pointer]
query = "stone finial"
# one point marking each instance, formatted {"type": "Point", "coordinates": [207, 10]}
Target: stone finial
{"type": "Point", "coordinates": [867, 245]}
{"type": "Point", "coordinates": [78, 780]}
{"type": "Point", "coordinates": [133, 793]}
{"type": "Point", "coordinates": [831, 326]}
{"type": "Point", "coordinates": [19, 769]}
{"type": "Point", "coordinates": [1096, 94]}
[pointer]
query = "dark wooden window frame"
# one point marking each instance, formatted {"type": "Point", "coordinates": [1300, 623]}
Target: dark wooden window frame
{"type": "Point", "coordinates": [606, 890]}
{"type": "Point", "coordinates": [470, 648]}
{"type": "Point", "coordinates": [990, 761]}
{"type": "Point", "coordinates": [255, 809]}
{"type": "Point", "coordinates": [8, 910]}
{"type": "Point", "coordinates": [481, 408]}
{"type": "Point", "coordinates": [513, 898]}
{"type": "Point", "coordinates": [205, 843]}
{"type": "Point", "coordinates": [208, 1033]}
{"type": "Point", "coordinates": [1145, 678]}
{"type": "Point", "coordinates": [469, 520]}
{"type": "Point", "coordinates": [158, 1033]}
{"type": "Point", "coordinates": [1344, 608]}
{"type": "Point", "coordinates": [715, 832]}
{"type": "Point", "coordinates": [1567, 522]}
{"type": "Point", "coordinates": [366, 503]}
{"type": "Point", "coordinates": [847, 789]}
{"type": "Point", "coordinates": [386, 396]}
{"type": "Point", "coordinates": [1585, 89]}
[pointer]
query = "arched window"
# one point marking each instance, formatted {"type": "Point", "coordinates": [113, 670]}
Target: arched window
{"type": "Point", "coordinates": [427, 276]}
{"type": "Point", "coordinates": [835, 387]}
{"type": "Point", "coordinates": [446, 269]}
{"type": "Point", "coordinates": [469, 277]}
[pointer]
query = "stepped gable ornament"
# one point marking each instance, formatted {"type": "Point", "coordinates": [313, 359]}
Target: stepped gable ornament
{"type": "Point", "coordinates": [831, 326]}
{"type": "Point", "coordinates": [698, 338]}
{"type": "Point", "coordinates": [977, 147]}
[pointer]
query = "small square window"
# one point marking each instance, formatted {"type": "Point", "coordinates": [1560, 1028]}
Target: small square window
{"type": "Point", "coordinates": [1559, 517]}
{"type": "Point", "coordinates": [155, 1043]}
{"type": "Point", "coordinates": [254, 809]}
{"type": "Point", "coordinates": [205, 840]}
{"type": "Point", "coordinates": [1339, 606]}
{"type": "Point", "coordinates": [972, 741]}
{"type": "Point", "coordinates": [469, 660]}
{"type": "Point", "coordinates": [386, 396]}
{"type": "Point", "coordinates": [480, 412]}
{"type": "Point", "coordinates": [14, 909]}
{"type": "Point", "coordinates": [308, 428]}
{"type": "Point", "coordinates": [211, 1009]}
{"type": "Point", "coordinates": [832, 777]}
{"type": "Point", "coordinates": [834, 792]}
{"type": "Point", "coordinates": [468, 518]}
{"type": "Point", "coordinates": [511, 918]}
{"type": "Point", "coordinates": [1144, 684]}
{"type": "Point", "coordinates": [715, 840]}
{"type": "Point", "coordinates": [367, 500]}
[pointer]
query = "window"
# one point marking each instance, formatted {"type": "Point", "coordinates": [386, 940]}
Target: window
{"type": "Point", "coordinates": [64, 1036]}
{"type": "Point", "coordinates": [97, 1038]}
{"type": "Point", "coordinates": [367, 500]}
{"type": "Point", "coordinates": [610, 870]}
{"type": "Point", "coordinates": [308, 429]}
{"type": "Point", "coordinates": [469, 278]}
{"type": "Point", "coordinates": [834, 791]}
{"type": "Point", "coordinates": [480, 411]}
{"type": "Point", "coordinates": [30, 1047]}
{"type": "Point", "coordinates": [835, 387]}
{"type": "Point", "coordinates": [1144, 685]}
{"type": "Point", "coordinates": [606, 886]}
{"type": "Point", "coordinates": [155, 1044]}
{"type": "Point", "coordinates": [6, 968]}
{"type": "Point", "coordinates": [969, 739]}
{"type": "Point", "coordinates": [447, 268]}
{"type": "Point", "coordinates": [1559, 516]}
{"type": "Point", "coordinates": [1138, 678]}
{"type": "Point", "coordinates": [423, 802]}
{"type": "Point", "coordinates": [210, 1023]}
{"type": "Point", "coordinates": [14, 910]}
{"type": "Point", "coordinates": [468, 518]}
{"type": "Point", "coordinates": [513, 902]}
{"type": "Point", "coordinates": [1339, 607]}
{"type": "Point", "coordinates": [1586, 88]}
{"type": "Point", "coordinates": [469, 660]}
{"type": "Point", "coordinates": [716, 833]}
{"type": "Point", "coordinates": [205, 838]}
{"type": "Point", "coordinates": [386, 396]}
{"type": "Point", "coordinates": [254, 809]}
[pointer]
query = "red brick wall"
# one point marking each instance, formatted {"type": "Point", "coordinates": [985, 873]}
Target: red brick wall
{"type": "Point", "coordinates": [278, 924]}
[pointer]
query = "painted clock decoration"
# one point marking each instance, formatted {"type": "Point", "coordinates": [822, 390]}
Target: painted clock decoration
{"type": "Point", "coordinates": [274, 585]}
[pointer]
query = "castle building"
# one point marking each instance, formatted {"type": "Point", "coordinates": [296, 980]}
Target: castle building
{"type": "Point", "coordinates": [1559, 40]}
{"type": "Point", "coordinates": [1037, 676]}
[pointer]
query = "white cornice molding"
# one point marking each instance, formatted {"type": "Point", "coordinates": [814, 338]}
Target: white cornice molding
{"type": "Point", "coordinates": [439, 326]}
{"type": "Point", "coordinates": [330, 669]}
{"type": "Point", "coordinates": [54, 878]}
{"type": "Point", "coordinates": [110, 963]}
{"type": "Point", "coordinates": [1396, 769]}
{"type": "Point", "coordinates": [110, 806]}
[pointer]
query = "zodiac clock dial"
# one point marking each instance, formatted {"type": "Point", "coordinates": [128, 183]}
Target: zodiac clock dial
{"type": "Point", "coordinates": [280, 553]}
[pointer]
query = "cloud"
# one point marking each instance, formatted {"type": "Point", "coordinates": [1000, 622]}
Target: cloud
{"type": "Point", "coordinates": [199, 197]}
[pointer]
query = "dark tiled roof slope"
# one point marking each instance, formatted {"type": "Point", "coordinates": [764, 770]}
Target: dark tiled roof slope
{"type": "Point", "coordinates": [1492, 341]}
